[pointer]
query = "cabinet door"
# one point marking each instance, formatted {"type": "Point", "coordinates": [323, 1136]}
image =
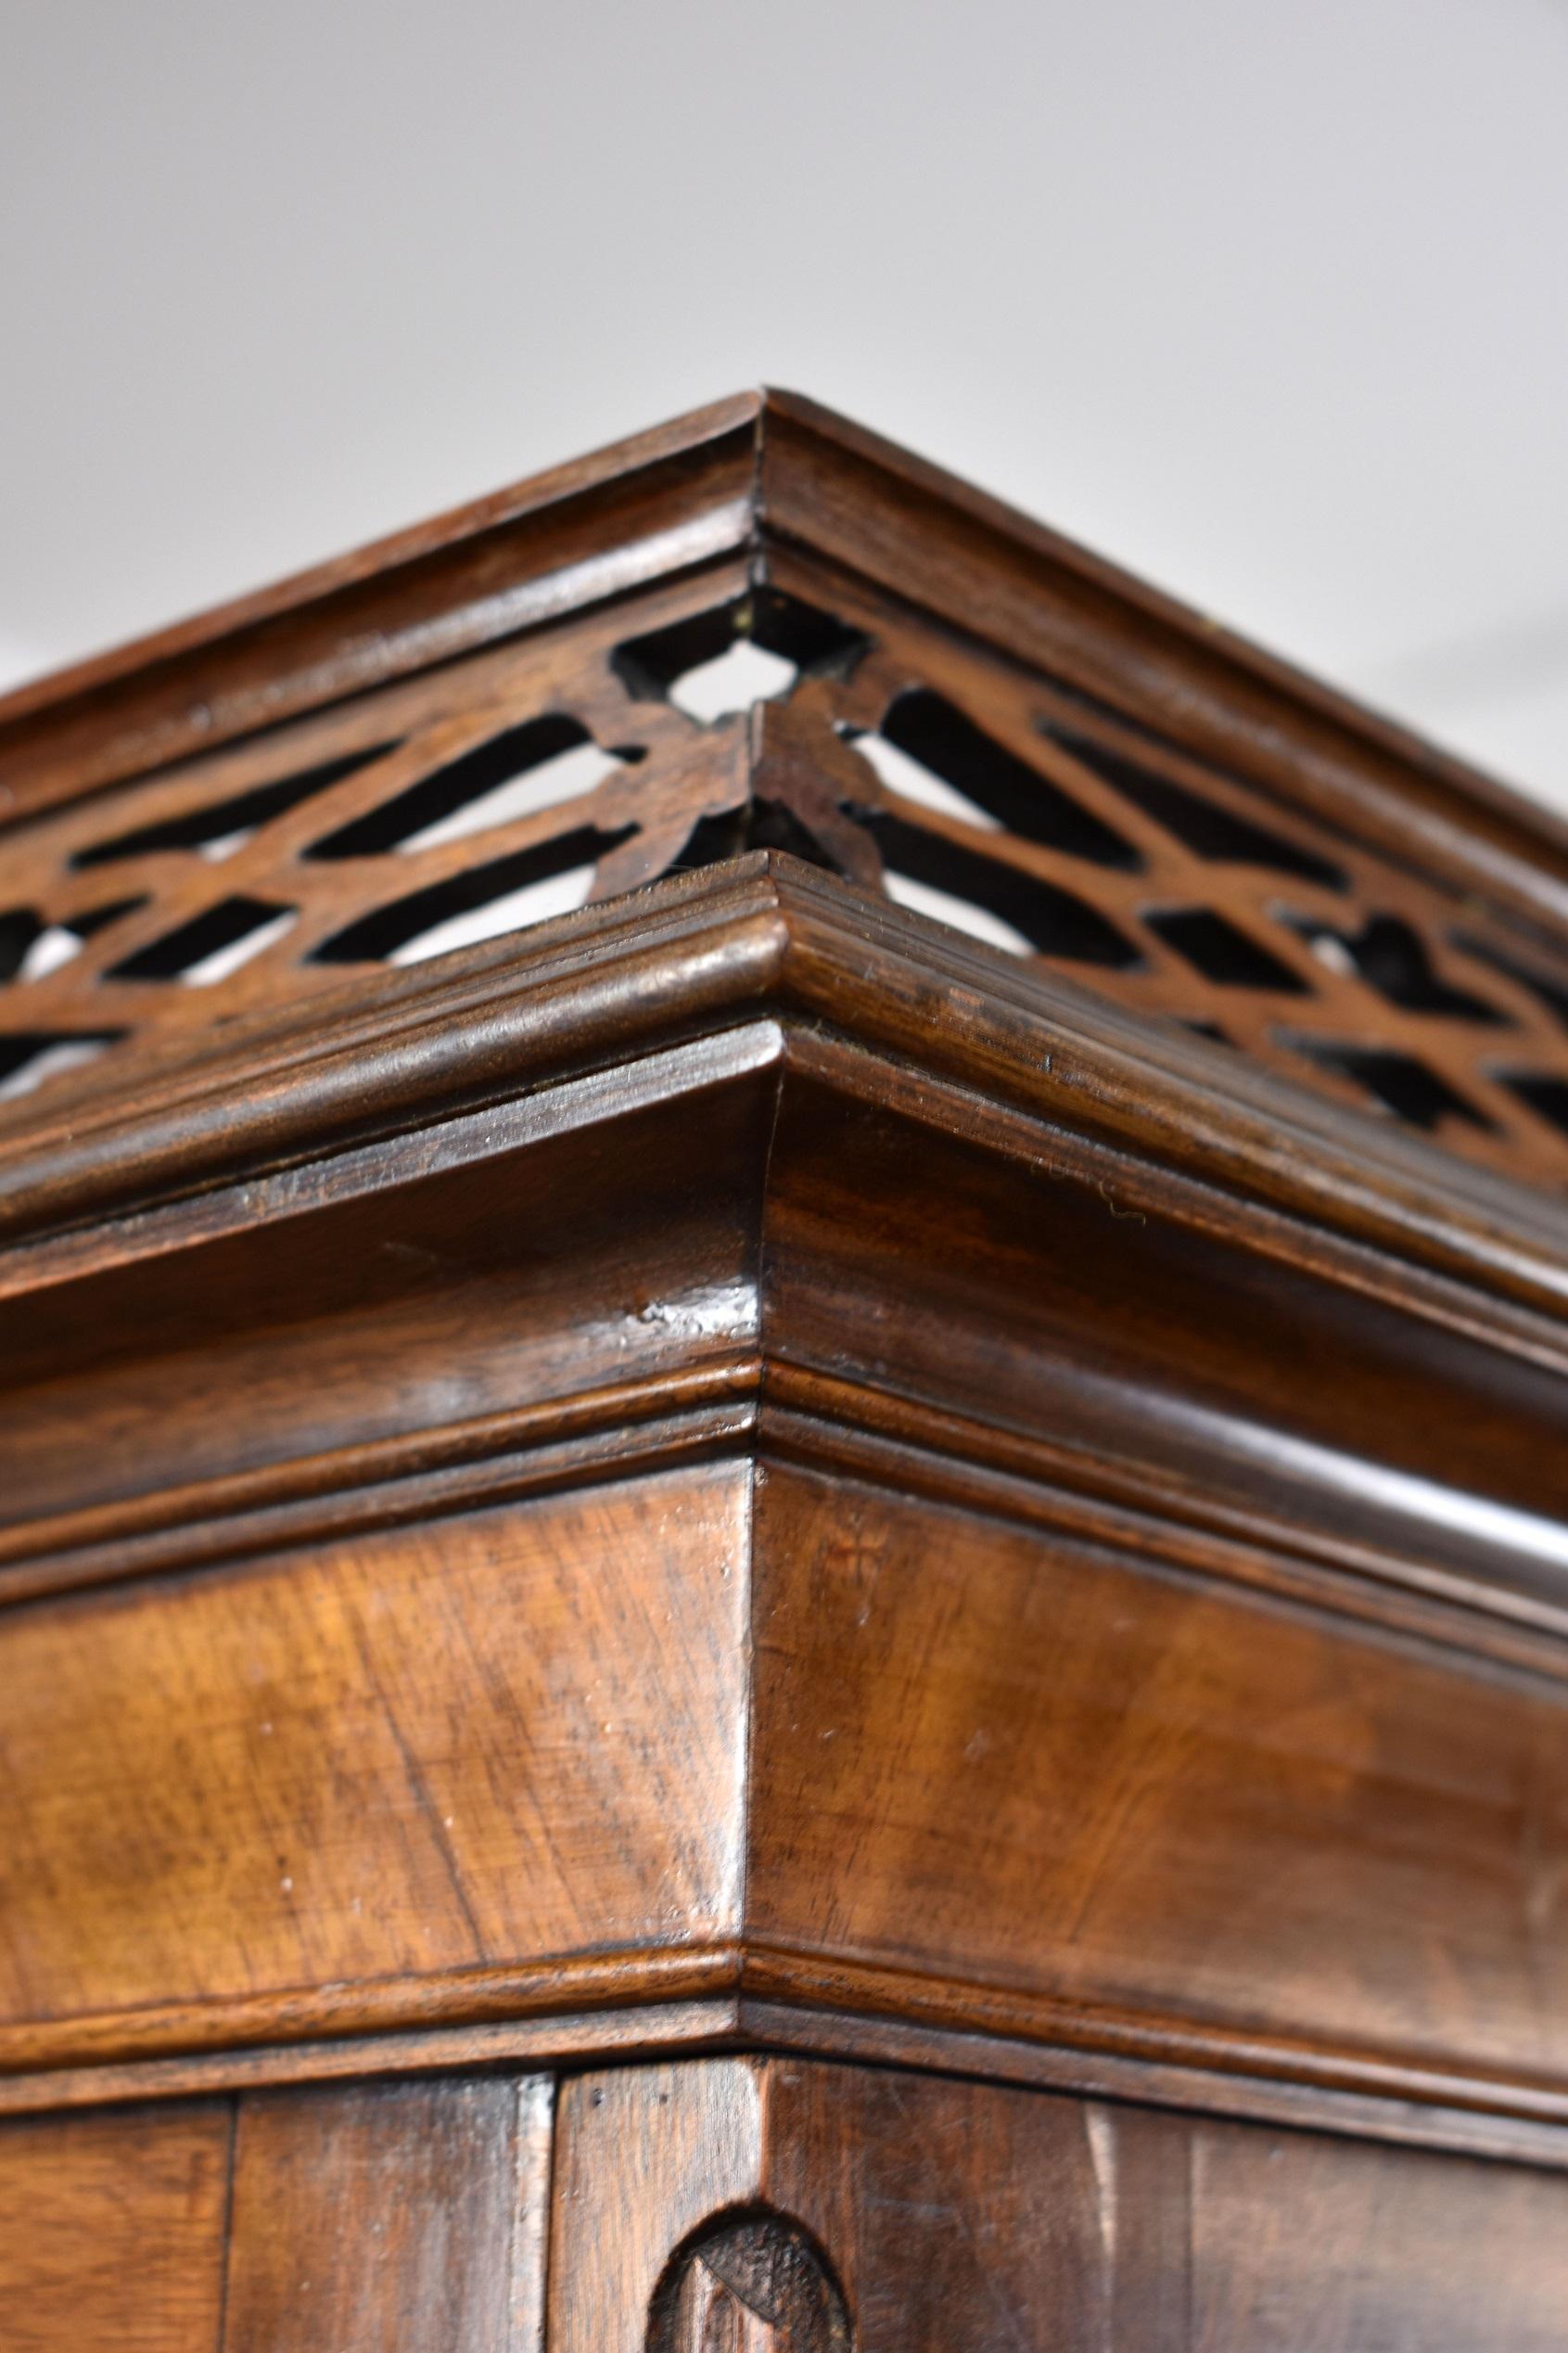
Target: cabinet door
{"type": "Point", "coordinates": [409, 2217]}
{"type": "Point", "coordinates": [775, 2206]}
{"type": "Point", "coordinates": [712, 2206]}
{"type": "Point", "coordinates": [757, 2205]}
{"type": "Point", "coordinates": [112, 2230]}
{"type": "Point", "coordinates": [406, 2218]}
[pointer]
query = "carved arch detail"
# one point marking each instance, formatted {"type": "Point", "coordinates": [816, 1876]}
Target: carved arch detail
{"type": "Point", "coordinates": [749, 2280]}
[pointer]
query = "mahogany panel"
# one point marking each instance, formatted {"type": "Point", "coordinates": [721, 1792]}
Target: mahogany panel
{"type": "Point", "coordinates": [113, 2232]}
{"type": "Point", "coordinates": [410, 2218]}
{"type": "Point", "coordinates": [1109, 1623]}
{"type": "Point", "coordinates": [744, 2203]}
{"type": "Point", "coordinates": [514, 1736]}
{"type": "Point", "coordinates": [1067, 1793]}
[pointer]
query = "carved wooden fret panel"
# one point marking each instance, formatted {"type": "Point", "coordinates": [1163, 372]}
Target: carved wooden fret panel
{"type": "Point", "coordinates": [678, 728]}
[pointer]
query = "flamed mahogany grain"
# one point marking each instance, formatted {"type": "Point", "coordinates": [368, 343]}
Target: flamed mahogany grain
{"type": "Point", "coordinates": [505, 1739]}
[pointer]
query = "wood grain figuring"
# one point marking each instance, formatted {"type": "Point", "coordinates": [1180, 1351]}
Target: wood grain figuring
{"type": "Point", "coordinates": [113, 2232]}
{"type": "Point", "coordinates": [981, 1757]}
{"type": "Point", "coordinates": [946, 1290]}
{"type": "Point", "coordinates": [408, 2217]}
{"type": "Point", "coordinates": [962, 2215]}
{"type": "Point", "coordinates": [517, 1736]}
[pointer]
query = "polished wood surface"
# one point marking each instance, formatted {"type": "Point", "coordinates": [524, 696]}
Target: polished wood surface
{"type": "Point", "coordinates": [316, 1792]}
{"type": "Point", "coordinates": [918, 1582]}
{"type": "Point", "coordinates": [516, 1260]}
{"type": "Point", "coordinates": [113, 2230]}
{"type": "Point", "coordinates": [1295, 1494]}
{"type": "Point", "coordinates": [961, 2215]}
{"type": "Point", "coordinates": [410, 2218]}
{"type": "Point", "coordinates": [705, 2205]}
{"type": "Point", "coordinates": [437, 1453]}
{"type": "Point", "coordinates": [1002, 1779]}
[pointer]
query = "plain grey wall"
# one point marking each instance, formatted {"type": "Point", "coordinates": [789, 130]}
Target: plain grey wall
{"type": "Point", "coordinates": [1264, 298]}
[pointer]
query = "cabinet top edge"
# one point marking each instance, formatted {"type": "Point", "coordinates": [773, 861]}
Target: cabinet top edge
{"type": "Point", "coordinates": [760, 468]}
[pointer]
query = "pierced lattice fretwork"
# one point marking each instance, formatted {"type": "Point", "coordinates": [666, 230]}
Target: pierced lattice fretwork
{"type": "Point", "coordinates": [585, 760]}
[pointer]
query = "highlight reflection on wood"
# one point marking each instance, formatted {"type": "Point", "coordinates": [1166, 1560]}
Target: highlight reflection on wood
{"type": "Point", "coordinates": [783, 1459]}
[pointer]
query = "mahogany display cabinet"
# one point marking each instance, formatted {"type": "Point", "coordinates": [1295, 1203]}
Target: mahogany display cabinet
{"type": "Point", "coordinates": [784, 1554]}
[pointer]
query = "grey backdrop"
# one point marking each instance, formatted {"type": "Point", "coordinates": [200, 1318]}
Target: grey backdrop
{"type": "Point", "coordinates": [1264, 298]}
